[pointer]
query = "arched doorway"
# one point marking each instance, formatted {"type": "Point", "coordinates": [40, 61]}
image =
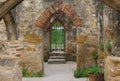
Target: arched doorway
{"type": "Point", "coordinates": [57, 38]}
{"type": "Point", "coordinates": [67, 16]}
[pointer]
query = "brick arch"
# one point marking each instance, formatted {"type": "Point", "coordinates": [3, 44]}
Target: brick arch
{"type": "Point", "coordinates": [61, 18]}
{"type": "Point", "coordinates": [59, 6]}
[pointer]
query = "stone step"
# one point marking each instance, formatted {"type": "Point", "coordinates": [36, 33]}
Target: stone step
{"type": "Point", "coordinates": [57, 57]}
{"type": "Point", "coordinates": [57, 54]}
{"type": "Point", "coordinates": [56, 61]}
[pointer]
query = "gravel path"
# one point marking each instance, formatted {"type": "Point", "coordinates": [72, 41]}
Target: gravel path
{"type": "Point", "coordinates": [58, 72]}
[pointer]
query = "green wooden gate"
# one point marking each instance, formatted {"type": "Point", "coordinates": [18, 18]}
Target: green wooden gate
{"type": "Point", "coordinates": [57, 38]}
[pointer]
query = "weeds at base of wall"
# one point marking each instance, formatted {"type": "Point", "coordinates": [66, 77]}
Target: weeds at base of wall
{"type": "Point", "coordinates": [28, 74]}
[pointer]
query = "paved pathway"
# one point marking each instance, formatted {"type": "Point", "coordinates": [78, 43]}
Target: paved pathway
{"type": "Point", "coordinates": [58, 72]}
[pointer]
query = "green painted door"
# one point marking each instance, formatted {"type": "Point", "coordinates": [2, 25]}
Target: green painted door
{"type": "Point", "coordinates": [57, 38]}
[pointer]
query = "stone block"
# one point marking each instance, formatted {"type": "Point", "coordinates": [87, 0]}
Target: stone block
{"type": "Point", "coordinates": [32, 38]}
{"type": "Point", "coordinates": [112, 68]}
{"type": "Point", "coordinates": [81, 39]}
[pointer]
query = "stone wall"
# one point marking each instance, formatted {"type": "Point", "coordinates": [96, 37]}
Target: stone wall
{"type": "Point", "coordinates": [28, 51]}
{"type": "Point", "coordinates": [27, 13]}
{"type": "Point", "coordinates": [30, 37]}
{"type": "Point", "coordinates": [9, 69]}
{"type": "Point", "coordinates": [99, 23]}
{"type": "Point", "coordinates": [108, 24]}
{"type": "Point", "coordinates": [87, 36]}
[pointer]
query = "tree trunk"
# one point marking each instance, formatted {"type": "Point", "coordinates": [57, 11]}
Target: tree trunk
{"type": "Point", "coordinates": [113, 3]}
{"type": "Point", "coordinates": [10, 26]}
{"type": "Point", "coordinates": [7, 6]}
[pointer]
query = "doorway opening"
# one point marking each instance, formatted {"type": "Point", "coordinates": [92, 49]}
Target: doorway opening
{"type": "Point", "coordinates": [57, 38]}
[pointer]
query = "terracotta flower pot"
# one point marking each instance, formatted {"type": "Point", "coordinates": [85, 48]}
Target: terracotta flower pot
{"type": "Point", "coordinates": [93, 77]}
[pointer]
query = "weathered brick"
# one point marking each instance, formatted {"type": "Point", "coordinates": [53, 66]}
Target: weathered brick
{"type": "Point", "coordinates": [64, 7]}
{"type": "Point", "coordinates": [51, 9]}
{"type": "Point", "coordinates": [46, 13]}
{"type": "Point", "coordinates": [77, 22]}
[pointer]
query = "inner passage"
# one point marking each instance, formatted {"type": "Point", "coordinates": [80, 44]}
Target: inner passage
{"type": "Point", "coordinates": [57, 38]}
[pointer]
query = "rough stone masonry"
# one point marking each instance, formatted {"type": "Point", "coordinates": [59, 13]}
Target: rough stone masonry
{"type": "Point", "coordinates": [89, 23]}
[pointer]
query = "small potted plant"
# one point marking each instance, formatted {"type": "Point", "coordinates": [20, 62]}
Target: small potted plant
{"type": "Point", "coordinates": [95, 73]}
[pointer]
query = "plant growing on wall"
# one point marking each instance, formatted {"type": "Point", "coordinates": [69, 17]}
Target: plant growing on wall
{"type": "Point", "coordinates": [95, 55]}
{"type": "Point", "coordinates": [101, 47]}
{"type": "Point", "coordinates": [108, 46]}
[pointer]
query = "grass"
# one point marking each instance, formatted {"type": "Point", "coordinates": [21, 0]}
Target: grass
{"type": "Point", "coordinates": [28, 74]}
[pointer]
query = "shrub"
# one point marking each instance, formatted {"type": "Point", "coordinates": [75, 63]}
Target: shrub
{"type": "Point", "coordinates": [95, 70]}
{"type": "Point", "coordinates": [86, 71]}
{"type": "Point", "coordinates": [108, 46]}
{"type": "Point", "coordinates": [79, 73]}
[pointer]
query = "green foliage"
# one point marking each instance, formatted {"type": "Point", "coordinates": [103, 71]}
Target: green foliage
{"type": "Point", "coordinates": [86, 71]}
{"type": "Point", "coordinates": [37, 74]}
{"type": "Point", "coordinates": [78, 73]}
{"type": "Point", "coordinates": [108, 46]}
{"type": "Point", "coordinates": [95, 55]}
{"type": "Point", "coordinates": [25, 73]}
{"type": "Point", "coordinates": [95, 70]}
{"type": "Point", "coordinates": [81, 72]}
{"type": "Point", "coordinates": [28, 74]}
{"type": "Point", "coordinates": [101, 47]}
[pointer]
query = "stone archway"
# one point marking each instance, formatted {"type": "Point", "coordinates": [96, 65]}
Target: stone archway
{"type": "Point", "coordinates": [51, 15]}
